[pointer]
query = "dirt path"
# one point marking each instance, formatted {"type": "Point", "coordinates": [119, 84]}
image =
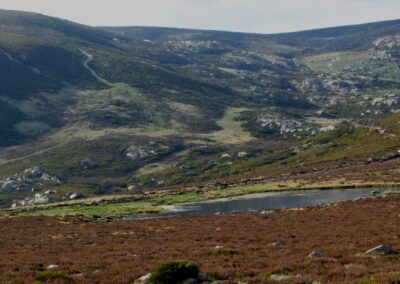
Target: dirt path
{"type": "Point", "coordinates": [89, 58]}
{"type": "Point", "coordinates": [6, 54]}
{"type": "Point", "coordinates": [12, 59]}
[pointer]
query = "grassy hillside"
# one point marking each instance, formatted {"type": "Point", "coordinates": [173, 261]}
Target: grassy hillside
{"type": "Point", "coordinates": [378, 140]}
{"type": "Point", "coordinates": [111, 108]}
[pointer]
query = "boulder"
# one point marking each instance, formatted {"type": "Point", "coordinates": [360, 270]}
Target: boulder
{"type": "Point", "coordinates": [381, 250]}
{"type": "Point", "coordinates": [375, 193]}
{"type": "Point", "coordinates": [278, 244]}
{"type": "Point", "coordinates": [281, 277]}
{"type": "Point", "coordinates": [143, 280]}
{"type": "Point", "coordinates": [226, 156]}
{"type": "Point", "coordinates": [41, 199]}
{"type": "Point", "coordinates": [52, 266]}
{"type": "Point", "coordinates": [242, 154]}
{"type": "Point", "coordinates": [75, 195]}
{"type": "Point", "coordinates": [315, 254]}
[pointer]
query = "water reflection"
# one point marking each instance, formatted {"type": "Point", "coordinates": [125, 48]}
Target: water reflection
{"type": "Point", "coordinates": [267, 201]}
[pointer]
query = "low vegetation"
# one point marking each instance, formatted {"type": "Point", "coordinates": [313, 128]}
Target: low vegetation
{"type": "Point", "coordinates": [174, 271]}
{"type": "Point", "coordinates": [46, 277]}
{"type": "Point", "coordinates": [123, 251]}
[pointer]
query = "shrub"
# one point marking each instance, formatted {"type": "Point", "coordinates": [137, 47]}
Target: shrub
{"type": "Point", "coordinates": [175, 271]}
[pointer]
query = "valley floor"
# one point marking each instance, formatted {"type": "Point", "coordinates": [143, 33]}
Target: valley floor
{"type": "Point", "coordinates": [233, 249]}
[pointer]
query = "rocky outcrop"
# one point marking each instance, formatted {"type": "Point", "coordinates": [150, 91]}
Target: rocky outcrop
{"type": "Point", "coordinates": [37, 199]}
{"type": "Point", "coordinates": [88, 163]}
{"type": "Point", "coordinates": [280, 124]}
{"type": "Point", "coordinates": [25, 180]}
{"type": "Point", "coordinates": [151, 149]}
{"type": "Point", "coordinates": [139, 152]}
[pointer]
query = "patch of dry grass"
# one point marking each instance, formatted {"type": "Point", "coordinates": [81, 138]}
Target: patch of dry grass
{"type": "Point", "coordinates": [232, 131]}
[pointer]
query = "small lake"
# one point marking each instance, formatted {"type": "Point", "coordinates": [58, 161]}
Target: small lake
{"type": "Point", "coordinates": [264, 201]}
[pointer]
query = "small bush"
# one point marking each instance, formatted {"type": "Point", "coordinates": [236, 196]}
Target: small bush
{"type": "Point", "coordinates": [172, 272]}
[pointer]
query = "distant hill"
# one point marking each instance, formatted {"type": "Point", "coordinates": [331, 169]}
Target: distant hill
{"type": "Point", "coordinates": [326, 39]}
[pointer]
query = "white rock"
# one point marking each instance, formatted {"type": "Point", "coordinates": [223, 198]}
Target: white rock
{"type": "Point", "coordinates": [143, 280]}
{"type": "Point", "coordinates": [75, 195]}
{"type": "Point", "coordinates": [52, 266]}
{"type": "Point", "coordinates": [278, 244]}
{"type": "Point", "coordinates": [381, 249]}
{"type": "Point", "coordinates": [315, 254]}
{"type": "Point", "coordinates": [226, 156]}
{"type": "Point", "coordinates": [242, 154]}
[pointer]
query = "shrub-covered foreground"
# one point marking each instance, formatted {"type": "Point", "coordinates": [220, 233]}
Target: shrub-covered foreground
{"type": "Point", "coordinates": [251, 248]}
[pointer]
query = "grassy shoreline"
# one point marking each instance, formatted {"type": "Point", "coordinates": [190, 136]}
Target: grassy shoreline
{"type": "Point", "coordinates": [119, 206]}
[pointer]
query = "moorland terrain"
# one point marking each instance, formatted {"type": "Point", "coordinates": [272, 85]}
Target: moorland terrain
{"type": "Point", "coordinates": [99, 123]}
{"type": "Point", "coordinates": [273, 247]}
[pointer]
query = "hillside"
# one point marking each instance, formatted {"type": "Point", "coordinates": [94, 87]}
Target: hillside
{"type": "Point", "coordinates": [102, 110]}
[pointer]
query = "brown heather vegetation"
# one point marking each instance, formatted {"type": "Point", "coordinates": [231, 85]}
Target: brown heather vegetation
{"type": "Point", "coordinates": [229, 248]}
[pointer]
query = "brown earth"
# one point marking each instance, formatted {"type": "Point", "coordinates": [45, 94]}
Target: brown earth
{"type": "Point", "coordinates": [230, 248]}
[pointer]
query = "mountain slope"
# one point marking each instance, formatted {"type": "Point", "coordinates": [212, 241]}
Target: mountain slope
{"type": "Point", "coordinates": [100, 110]}
{"type": "Point", "coordinates": [355, 37]}
{"type": "Point", "coordinates": [43, 55]}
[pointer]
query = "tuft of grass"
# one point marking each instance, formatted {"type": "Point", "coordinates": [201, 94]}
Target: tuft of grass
{"type": "Point", "coordinates": [367, 280]}
{"type": "Point", "coordinates": [52, 276]}
{"type": "Point", "coordinates": [227, 251]}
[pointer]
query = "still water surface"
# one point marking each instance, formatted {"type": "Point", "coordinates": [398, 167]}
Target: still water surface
{"type": "Point", "coordinates": [264, 201]}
